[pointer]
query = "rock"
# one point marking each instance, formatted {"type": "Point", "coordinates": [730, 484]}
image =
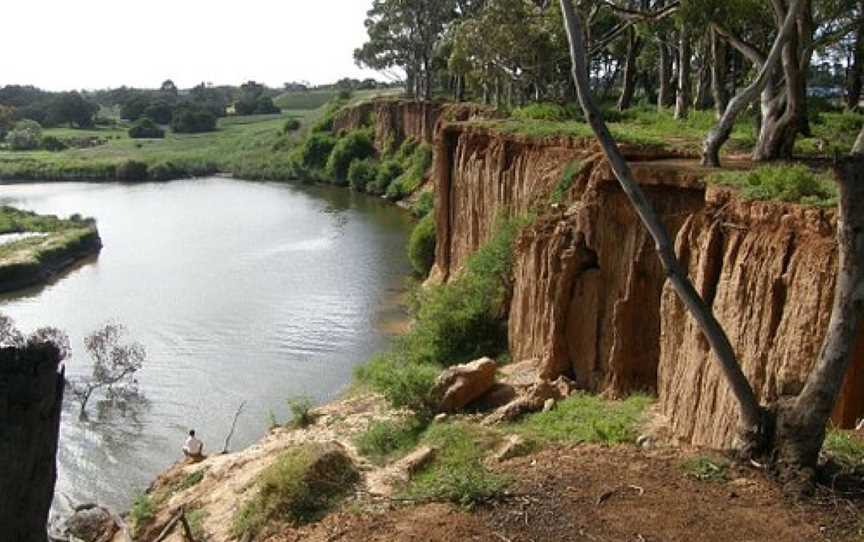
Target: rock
{"type": "Point", "coordinates": [514, 446]}
{"type": "Point", "coordinates": [415, 461]}
{"type": "Point", "coordinates": [90, 524]}
{"type": "Point", "coordinates": [549, 405]}
{"type": "Point", "coordinates": [535, 399]}
{"type": "Point", "coordinates": [440, 418]}
{"type": "Point", "coordinates": [459, 386]}
{"type": "Point", "coordinates": [645, 441]}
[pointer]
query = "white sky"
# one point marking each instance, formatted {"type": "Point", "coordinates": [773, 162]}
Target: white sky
{"type": "Point", "coordinates": [91, 44]}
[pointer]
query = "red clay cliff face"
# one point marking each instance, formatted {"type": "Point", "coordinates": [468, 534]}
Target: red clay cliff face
{"type": "Point", "coordinates": [768, 270]}
{"type": "Point", "coordinates": [589, 299]}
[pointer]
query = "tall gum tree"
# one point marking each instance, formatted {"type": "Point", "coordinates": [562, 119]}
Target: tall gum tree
{"type": "Point", "coordinates": [791, 431]}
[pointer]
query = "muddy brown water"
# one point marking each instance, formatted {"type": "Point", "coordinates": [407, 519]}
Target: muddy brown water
{"type": "Point", "coordinates": [239, 291]}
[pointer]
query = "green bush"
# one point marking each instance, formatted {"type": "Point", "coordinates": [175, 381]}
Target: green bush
{"type": "Point", "coordinates": [297, 488]}
{"type": "Point", "coordinates": [191, 119]}
{"type": "Point", "coordinates": [791, 183]}
{"type": "Point", "coordinates": [457, 474]}
{"type": "Point", "coordinates": [301, 412]}
{"type": "Point", "coordinates": [361, 173]}
{"type": "Point", "coordinates": [131, 170]}
{"type": "Point", "coordinates": [385, 439]}
{"type": "Point", "coordinates": [143, 511]}
{"type": "Point", "coordinates": [421, 246]}
{"type": "Point", "coordinates": [145, 128]}
{"type": "Point", "coordinates": [415, 170]}
{"type": "Point", "coordinates": [26, 136]}
{"type": "Point", "coordinates": [316, 150]}
{"type": "Point", "coordinates": [545, 111]}
{"type": "Point", "coordinates": [291, 125]}
{"type": "Point", "coordinates": [568, 177]}
{"type": "Point", "coordinates": [53, 144]}
{"type": "Point", "coordinates": [706, 469]}
{"type": "Point", "coordinates": [406, 150]}
{"type": "Point", "coordinates": [403, 384]}
{"type": "Point", "coordinates": [424, 205]}
{"type": "Point", "coordinates": [844, 447]}
{"type": "Point", "coordinates": [388, 172]}
{"type": "Point", "coordinates": [357, 145]}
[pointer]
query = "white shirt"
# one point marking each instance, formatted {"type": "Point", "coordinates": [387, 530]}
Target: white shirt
{"type": "Point", "coordinates": [193, 446]}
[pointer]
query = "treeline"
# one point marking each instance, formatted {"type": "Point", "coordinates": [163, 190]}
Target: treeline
{"type": "Point", "coordinates": [673, 54]}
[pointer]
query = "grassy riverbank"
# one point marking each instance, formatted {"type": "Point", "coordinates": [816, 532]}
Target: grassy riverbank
{"type": "Point", "coordinates": [55, 245]}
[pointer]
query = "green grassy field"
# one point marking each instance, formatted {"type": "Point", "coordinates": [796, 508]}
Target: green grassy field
{"type": "Point", "coordinates": [313, 99]}
{"type": "Point", "coordinates": [238, 141]}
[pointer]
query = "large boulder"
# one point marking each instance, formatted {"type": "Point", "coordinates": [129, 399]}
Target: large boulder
{"type": "Point", "coordinates": [90, 523]}
{"type": "Point", "coordinates": [460, 385]}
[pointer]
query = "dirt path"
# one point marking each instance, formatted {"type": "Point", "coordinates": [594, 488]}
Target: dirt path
{"type": "Point", "coordinates": [590, 493]}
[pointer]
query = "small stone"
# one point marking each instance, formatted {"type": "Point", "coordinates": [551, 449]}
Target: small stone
{"type": "Point", "coordinates": [440, 417]}
{"type": "Point", "coordinates": [416, 460]}
{"type": "Point", "coordinates": [514, 446]}
{"type": "Point", "coordinates": [645, 441]}
{"type": "Point", "coordinates": [549, 404]}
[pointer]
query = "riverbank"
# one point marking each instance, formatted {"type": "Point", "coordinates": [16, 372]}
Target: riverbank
{"type": "Point", "coordinates": [56, 245]}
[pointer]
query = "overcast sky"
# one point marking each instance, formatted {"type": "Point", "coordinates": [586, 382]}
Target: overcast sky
{"type": "Point", "coordinates": [91, 44]}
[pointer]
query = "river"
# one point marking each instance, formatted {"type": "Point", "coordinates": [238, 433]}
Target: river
{"type": "Point", "coordinates": [239, 291]}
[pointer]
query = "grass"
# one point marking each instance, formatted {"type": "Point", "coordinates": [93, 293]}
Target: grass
{"type": "Point", "coordinates": [793, 183]}
{"type": "Point", "coordinates": [242, 145]}
{"type": "Point", "coordinates": [565, 183]}
{"type": "Point", "coordinates": [384, 440]}
{"type": "Point", "coordinates": [706, 469]}
{"type": "Point", "coordinates": [299, 487]}
{"type": "Point", "coordinates": [17, 221]}
{"type": "Point", "coordinates": [584, 418]}
{"type": "Point", "coordinates": [143, 511]}
{"type": "Point", "coordinates": [844, 447]}
{"type": "Point", "coordinates": [301, 412]}
{"type": "Point", "coordinates": [191, 480]}
{"type": "Point", "coordinates": [457, 473]}
{"type": "Point", "coordinates": [196, 523]}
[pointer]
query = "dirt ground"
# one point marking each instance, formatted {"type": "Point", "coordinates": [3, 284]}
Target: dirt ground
{"type": "Point", "coordinates": [589, 493]}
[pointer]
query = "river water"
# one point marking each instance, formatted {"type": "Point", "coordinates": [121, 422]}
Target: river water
{"type": "Point", "coordinates": [239, 291]}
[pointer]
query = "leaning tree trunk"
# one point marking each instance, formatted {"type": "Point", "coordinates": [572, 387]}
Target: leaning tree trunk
{"type": "Point", "coordinates": [682, 101]}
{"type": "Point", "coordinates": [720, 133]}
{"type": "Point", "coordinates": [630, 71]}
{"type": "Point", "coordinates": [719, 68]}
{"type": "Point", "coordinates": [751, 415]}
{"type": "Point", "coordinates": [31, 394]}
{"type": "Point", "coordinates": [801, 422]}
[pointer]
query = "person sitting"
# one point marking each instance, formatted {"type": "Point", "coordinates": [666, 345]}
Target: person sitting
{"type": "Point", "coordinates": [193, 448]}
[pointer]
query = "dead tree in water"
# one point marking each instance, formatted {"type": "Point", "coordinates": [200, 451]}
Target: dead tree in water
{"type": "Point", "coordinates": [31, 395]}
{"type": "Point", "coordinates": [793, 430]}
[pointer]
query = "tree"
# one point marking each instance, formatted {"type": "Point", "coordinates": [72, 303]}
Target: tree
{"type": "Point", "coordinates": [791, 432]}
{"type": "Point", "coordinates": [115, 363]}
{"type": "Point", "coordinates": [169, 91]}
{"type": "Point", "coordinates": [192, 119]}
{"type": "Point", "coordinates": [32, 383]}
{"type": "Point", "coordinates": [145, 128]}
{"type": "Point", "coordinates": [7, 119]}
{"type": "Point", "coordinates": [858, 148]}
{"type": "Point", "coordinates": [26, 136]}
{"type": "Point", "coordinates": [73, 109]}
{"type": "Point", "coordinates": [254, 100]}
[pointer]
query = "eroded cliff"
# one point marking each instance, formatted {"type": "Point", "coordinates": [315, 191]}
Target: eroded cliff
{"type": "Point", "coordinates": [588, 298]}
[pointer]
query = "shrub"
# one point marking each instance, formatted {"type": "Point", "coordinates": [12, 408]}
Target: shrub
{"type": "Point", "coordinates": [845, 447]}
{"type": "Point", "coordinates": [568, 177]}
{"type": "Point", "coordinates": [356, 145]}
{"type": "Point", "coordinates": [301, 485]}
{"type": "Point", "coordinates": [545, 111]}
{"type": "Point", "coordinates": [190, 119]}
{"type": "Point", "coordinates": [316, 150]}
{"type": "Point", "coordinates": [53, 144]}
{"type": "Point", "coordinates": [424, 205]}
{"type": "Point", "coordinates": [142, 512]}
{"type": "Point", "coordinates": [790, 183]}
{"type": "Point", "coordinates": [706, 469]}
{"type": "Point", "coordinates": [301, 412]}
{"type": "Point", "coordinates": [145, 128]}
{"type": "Point", "coordinates": [388, 172]}
{"type": "Point", "coordinates": [457, 474]}
{"type": "Point", "coordinates": [415, 169]}
{"type": "Point", "coordinates": [26, 136]}
{"type": "Point", "coordinates": [421, 246]}
{"type": "Point", "coordinates": [403, 384]}
{"type": "Point", "coordinates": [291, 125]}
{"type": "Point", "coordinates": [361, 173]}
{"type": "Point", "coordinates": [165, 171]}
{"type": "Point", "coordinates": [588, 418]}
{"type": "Point", "coordinates": [131, 170]}
{"type": "Point", "coordinates": [384, 439]}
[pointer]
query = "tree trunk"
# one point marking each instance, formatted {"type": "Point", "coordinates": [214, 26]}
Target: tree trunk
{"type": "Point", "coordinates": [664, 73]}
{"type": "Point", "coordinates": [720, 133]}
{"type": "Point", "coordinates": [801, 423]}
{"type": "Point", "coordinates": [682, 102]}
{"type": "Point", "coordinates": [858, 148]}
{"type": "Point", "coordinates": [702, 99]}
{"type": "Point", "coordinates": [751, 413]}
{"type": "Point", "coordinates": [630, 71]}
{"type": "Point", "coordinates": [719, 68]}
{"type": "Point", "coordinates": [31, 396]}
{"type": "Point", "coordinates": [855, 76]}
